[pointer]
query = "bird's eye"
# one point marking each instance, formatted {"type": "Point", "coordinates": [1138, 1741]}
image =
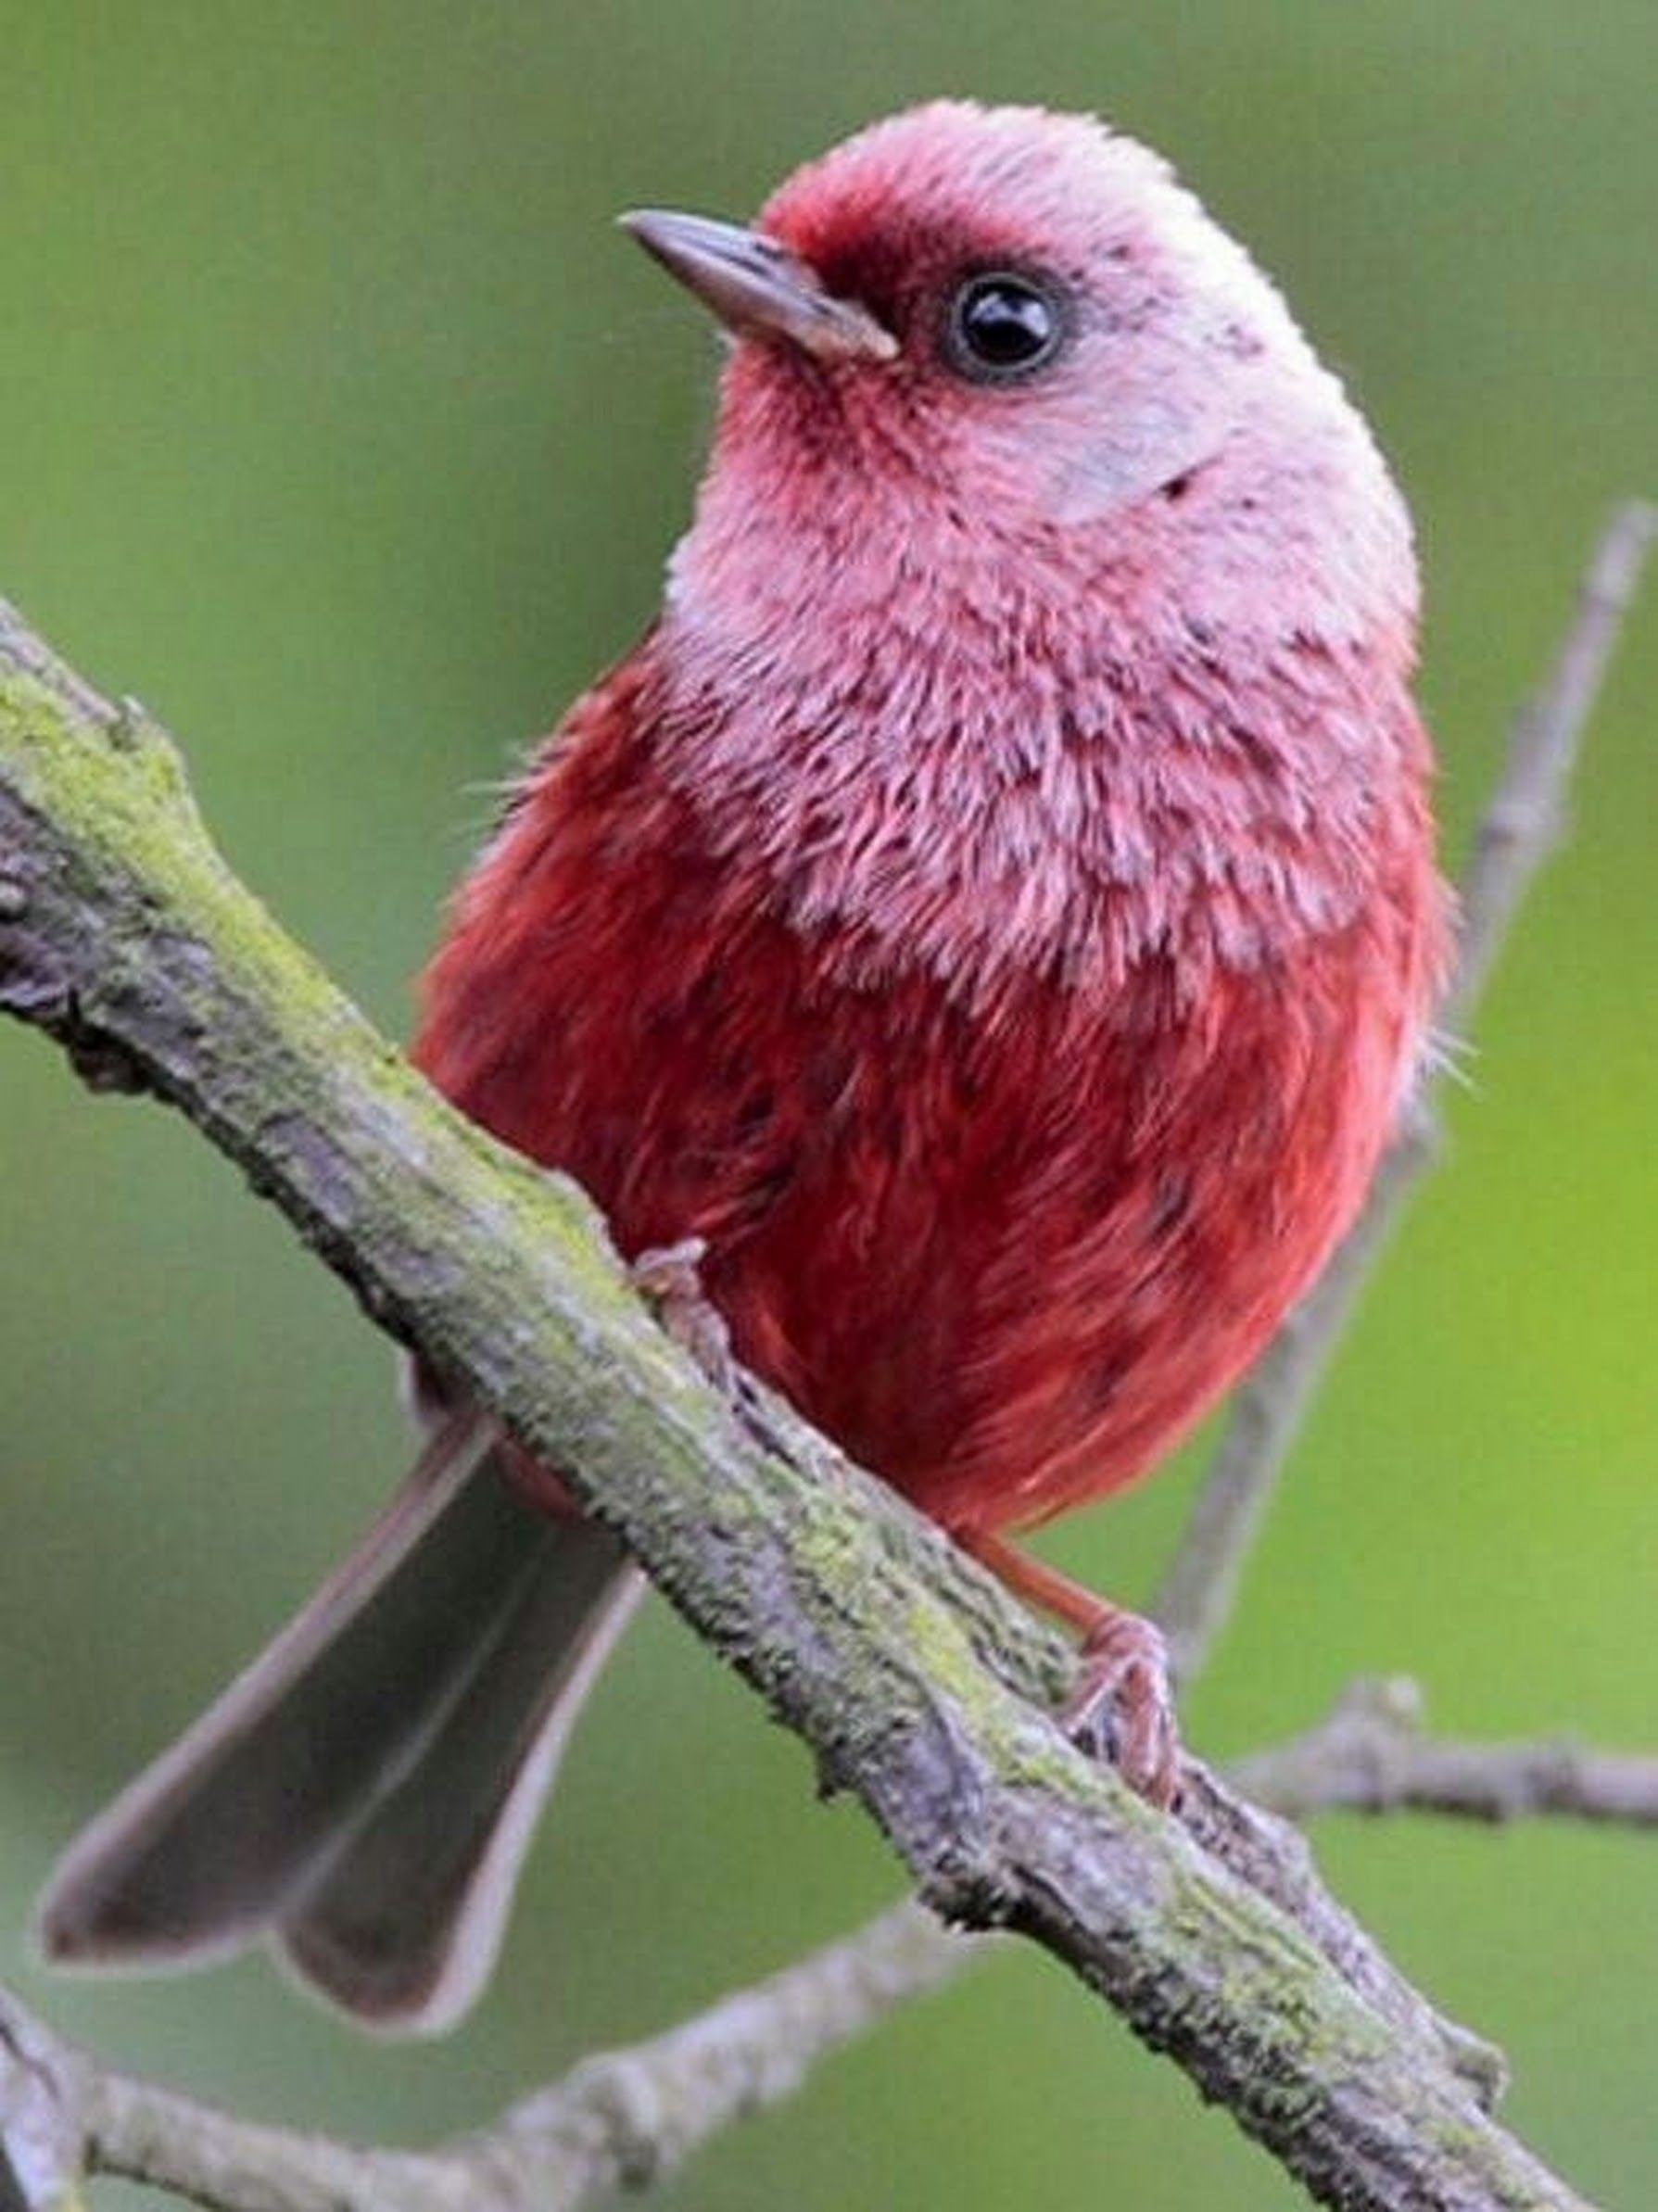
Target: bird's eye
{"type": "Point", "coordinates": [1002, 327]}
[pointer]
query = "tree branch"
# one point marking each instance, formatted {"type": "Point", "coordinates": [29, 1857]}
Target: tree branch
{"type": "Point", "coordinates": [1519, 830]}
{"type": "Point", "coordinates": [619, 2119]}
{"type": "Point", "coordinates": [1372, 1756]}
{"type": "Point", "coordinates": [627, 2119]}
{"type": "Point", "coordinates": [906, 1669]}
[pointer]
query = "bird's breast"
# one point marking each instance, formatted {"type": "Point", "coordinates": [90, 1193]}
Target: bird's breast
{"type": "Point", "coordinates": [1002, 1246]}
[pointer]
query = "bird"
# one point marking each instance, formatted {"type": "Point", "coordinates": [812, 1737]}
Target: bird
{"type": "Point", "coordinates": [978, 944]}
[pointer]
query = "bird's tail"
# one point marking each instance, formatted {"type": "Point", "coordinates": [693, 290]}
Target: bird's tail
{"type": "Point", "coordinates": [362, 1797]}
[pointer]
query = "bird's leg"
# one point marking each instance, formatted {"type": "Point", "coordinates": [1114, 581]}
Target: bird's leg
{"type": "Point", "coordinates": [1121, 1706]}
{"type": "Point", "coordinates": [670, 1277]}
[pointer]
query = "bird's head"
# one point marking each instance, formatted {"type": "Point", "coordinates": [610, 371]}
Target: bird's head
{"type": "Point", "coordinates": [973, 328]}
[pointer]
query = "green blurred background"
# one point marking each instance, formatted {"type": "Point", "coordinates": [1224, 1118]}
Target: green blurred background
{"type": "Point", "coordinates": [338, 425]}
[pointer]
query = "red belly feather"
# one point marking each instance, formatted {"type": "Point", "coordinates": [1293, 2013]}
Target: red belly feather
{"type": "Point", "coordinates": [1004, 1255]}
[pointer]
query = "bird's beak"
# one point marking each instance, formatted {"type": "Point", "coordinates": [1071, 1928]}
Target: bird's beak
{"type": "Point", "coordinates": [757, 287]}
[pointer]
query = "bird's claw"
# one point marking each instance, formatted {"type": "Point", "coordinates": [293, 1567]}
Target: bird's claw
{"type": "Point", "coordinates": [670, 1277]}
{"type": "Point", "coordinates": [1121, 1708]}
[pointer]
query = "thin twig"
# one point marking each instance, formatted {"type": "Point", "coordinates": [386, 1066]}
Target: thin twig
{"type": "Point", "coordinates": [627, 2117]}
{"type": "Point", "coordinates": [619, 2119]}
{"type": "Point", "coordinates": [1528, 814]}
{"type": "Point", "coordinates": [1372, 1756]}
{"type": "Point", "coordinates": [1520, 829]}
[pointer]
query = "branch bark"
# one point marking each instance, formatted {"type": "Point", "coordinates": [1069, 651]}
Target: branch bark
{"type": "Point", "coordinates": [907, 1671]}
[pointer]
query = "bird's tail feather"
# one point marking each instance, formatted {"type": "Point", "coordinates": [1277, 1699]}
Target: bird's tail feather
{"type": "Point", "coordinates": [363, 1794]}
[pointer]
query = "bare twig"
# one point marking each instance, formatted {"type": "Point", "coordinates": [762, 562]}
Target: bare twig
{"type": "Point", "coordinates": [1528, 814]}
{"type": "Point", "coordinates": [1519, 830]}
{"type": "Point", "coordinates": [1372, 1756]}
{"type": "Point", "coordinates": [627, 2117]}
{"type": "Point", "coordinates": [617, 2120]}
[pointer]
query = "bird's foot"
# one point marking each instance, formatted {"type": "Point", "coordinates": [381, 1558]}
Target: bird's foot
{"type": "Point", "coordinates": [670, 1277]}
{"type": "Point", "coordinates": [1121, 1708]}
{"type": "Point", "coordinates": [1121, 1705]}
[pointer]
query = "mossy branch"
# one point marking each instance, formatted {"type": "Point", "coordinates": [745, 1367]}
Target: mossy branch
{"type": "Point", "coordinates": [913, 1678]}
{"type": "Point", "coordinates": [627, 2117]}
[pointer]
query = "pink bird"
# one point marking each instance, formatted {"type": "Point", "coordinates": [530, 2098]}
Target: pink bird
{"type": "Point", "coordinates": [993, 911]}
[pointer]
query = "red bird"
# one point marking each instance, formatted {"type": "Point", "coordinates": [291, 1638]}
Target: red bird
{"type": "Point", "coordinates": [994, 911]}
